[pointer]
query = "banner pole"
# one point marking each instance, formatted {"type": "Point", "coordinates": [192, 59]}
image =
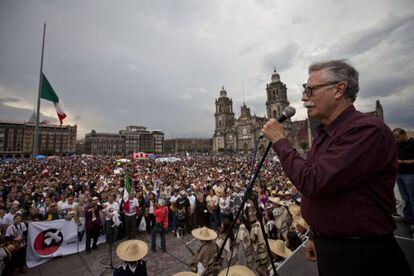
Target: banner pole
{"type": "Point", "coordinates": [77, 239]}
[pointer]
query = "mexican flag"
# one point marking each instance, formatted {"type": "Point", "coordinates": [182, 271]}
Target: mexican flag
{"type": "Point", "coordinates": [49, 94]}
{"type": "Point", "coordinates": [127, 188]}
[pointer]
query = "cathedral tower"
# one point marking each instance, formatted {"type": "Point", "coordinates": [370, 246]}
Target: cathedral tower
{"type": "Point", "coordinates": [276, 96]}
{"type": "Point", "coordinates": [224, 111]}
{"type": "Point", "coordinates": [223, 138]}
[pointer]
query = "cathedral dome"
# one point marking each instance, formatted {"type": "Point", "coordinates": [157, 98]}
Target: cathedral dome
{"type": "Point", "coordinates": [223, 93]}
{"type": "Point", "coordinates": [275, 76]}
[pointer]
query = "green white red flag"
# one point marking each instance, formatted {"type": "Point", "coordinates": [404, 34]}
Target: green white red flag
{"type": "Point", "coordinates": [48, 93]}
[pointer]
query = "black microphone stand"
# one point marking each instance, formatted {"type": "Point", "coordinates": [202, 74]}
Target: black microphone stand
{"type": "Point", "coordinates": [110, 242]}
{"type": "Point", "coordinates": [246, 196]}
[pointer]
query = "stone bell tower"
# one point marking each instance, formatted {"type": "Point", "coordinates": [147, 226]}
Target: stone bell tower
{"type": "Point", "coordinates": [224, 121]}
{"type": "Point", "coordinates": [276, 96]}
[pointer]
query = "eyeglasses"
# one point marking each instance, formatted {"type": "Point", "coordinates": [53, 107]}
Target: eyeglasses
{"type": "Point", "coordinates": [309, 90]}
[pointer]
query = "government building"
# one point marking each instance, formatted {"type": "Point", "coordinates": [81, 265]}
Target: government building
{"type": "Point", "coordinates": [126, 141]}
{"type": "Point", "coordinates": [17, 139]}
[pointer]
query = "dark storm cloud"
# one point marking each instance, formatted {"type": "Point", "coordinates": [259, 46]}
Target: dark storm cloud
{"type": "Point", "coordinates": [359, 42]}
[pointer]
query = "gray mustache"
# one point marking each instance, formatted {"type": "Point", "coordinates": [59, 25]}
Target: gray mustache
{"type": "Point", "coordinates": [308, 104]}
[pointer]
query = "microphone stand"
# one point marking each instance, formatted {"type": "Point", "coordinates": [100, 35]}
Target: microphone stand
{"type": "Point", "coordinates": [110, 240]}
{"type": "Point", "coordinates": [246, 196]}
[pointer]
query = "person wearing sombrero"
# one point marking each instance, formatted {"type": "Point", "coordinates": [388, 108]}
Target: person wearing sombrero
{"type": "Point", "coordinates": [281, 216]}
{"type": "Point", "coordinates": [203, 259]}
{"type": "Point", "coordinates": [132, 253]}
{"type": "Point", "coordinates": [279, 251]}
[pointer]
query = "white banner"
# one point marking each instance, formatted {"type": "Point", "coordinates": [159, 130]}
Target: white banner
{"type": "Point", "coordinates": [48, 239]}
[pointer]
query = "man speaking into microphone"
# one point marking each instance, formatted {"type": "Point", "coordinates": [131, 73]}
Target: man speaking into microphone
{"type": "Point", "coordinates": [346, 180]}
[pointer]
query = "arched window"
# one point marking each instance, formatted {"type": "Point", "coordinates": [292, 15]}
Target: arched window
{"type": "Point", "coordinates": [274, 114]}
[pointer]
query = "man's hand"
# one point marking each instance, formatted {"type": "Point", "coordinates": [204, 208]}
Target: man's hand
{"type": "Point", "coordinates": [310, 251]}
{"type": "Point", "coordinates": [273, 130]}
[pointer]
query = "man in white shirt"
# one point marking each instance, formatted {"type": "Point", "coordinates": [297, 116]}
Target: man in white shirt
{"type": "Point", "coordinates": [61, 203]}
{"type": "Point", "coordinates": [70, 205]}
{"type": "Point", "coordinates": [130, 210]}
{"type": "Point", "coordinates": [8, 219]}
{"type": "Point", "coordinates": [111, 213]}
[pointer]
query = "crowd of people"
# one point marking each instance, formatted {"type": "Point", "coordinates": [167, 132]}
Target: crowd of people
{"type": "Point", "coordinates": [164, 198]}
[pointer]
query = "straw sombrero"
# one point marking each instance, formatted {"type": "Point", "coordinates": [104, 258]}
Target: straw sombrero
{"type": "Point", "coordinates": [237, 270]}
{"type": "Point", "coordinates": [299, 220]}
{"type": "Point", "coordinates": [276, 200]}
{"type": "Point", "coordinates": [279, 248]}
{"type": "Point", "coordinates": [294, 210]}
{"type": "Point", "coordinates": [185, 273]}
{"type": "Point", "coordinates": [219, 191]}
{"type": "Point", "coordinates": [204, 234]}
{"type": "Point", "coordinates": [132, 250]}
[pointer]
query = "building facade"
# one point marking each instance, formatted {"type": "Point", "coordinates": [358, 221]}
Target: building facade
{"type": "Point", "coordinates": [128, 140]}
{"type": "Point", "coordinates": [140, 139]}
{"type": "Point", "coordinates": [241, 134]}
{"type": "Point", "coordinates": [104, 143]}
{"type": "Point", "coordinates": [189, 145]}
{"type": "Point", "coordinates": [17, 139]}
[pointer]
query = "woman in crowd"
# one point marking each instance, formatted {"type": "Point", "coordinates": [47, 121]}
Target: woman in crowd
{"type": "Point", "coordinates": [161, 224]}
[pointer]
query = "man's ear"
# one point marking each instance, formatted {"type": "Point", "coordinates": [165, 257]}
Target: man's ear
{"type": "Point", "coordinates": [340, 90]}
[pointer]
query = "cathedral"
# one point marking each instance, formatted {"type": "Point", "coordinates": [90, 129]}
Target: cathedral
{"type": "Point", "coordinates": [241, 134]}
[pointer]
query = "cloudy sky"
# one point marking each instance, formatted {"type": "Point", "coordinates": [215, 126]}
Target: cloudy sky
{"type": "Point", "coordinates": [161, 64]}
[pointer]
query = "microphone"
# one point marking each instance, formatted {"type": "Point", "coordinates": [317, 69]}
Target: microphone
{"type": "Point", "coordinates": [287, 113]}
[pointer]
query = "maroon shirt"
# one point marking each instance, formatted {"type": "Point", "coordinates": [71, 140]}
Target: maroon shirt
{"type": "Point", "coordinates": [347, 179]}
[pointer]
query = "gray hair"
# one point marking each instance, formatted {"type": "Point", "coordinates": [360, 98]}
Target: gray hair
{"type": "Point", "coordinates": [161, 202]}
{"type": "Point", "coordinates": [339, 70]}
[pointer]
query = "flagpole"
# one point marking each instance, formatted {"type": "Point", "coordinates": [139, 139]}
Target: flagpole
{"type": "Point", "coordinates": [36, 135]}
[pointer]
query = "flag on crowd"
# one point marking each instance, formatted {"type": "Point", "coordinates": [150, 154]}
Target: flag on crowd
{"type": "Point", "coordinates": [127, 188]}
{"type": "Point", "coordinates": [140, 155]}
{"type": "Point", "coordinates": [49, 94]}
{"type": "Point", "coordinates": [45, 172]}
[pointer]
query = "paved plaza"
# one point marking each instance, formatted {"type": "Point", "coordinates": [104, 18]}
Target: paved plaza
{"type": "Point", "coordinates": [177, 258]}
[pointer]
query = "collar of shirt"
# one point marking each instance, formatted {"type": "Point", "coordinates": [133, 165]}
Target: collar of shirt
{"type": "Point", "coordinates": [333, 127]}
{"type": "Point", "coordinates": [131, 267]}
